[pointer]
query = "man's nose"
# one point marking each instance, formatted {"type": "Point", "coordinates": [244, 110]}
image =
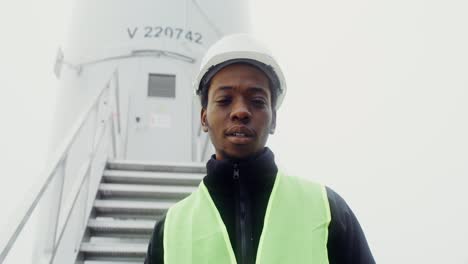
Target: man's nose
{"type": "Point", "coordinates": [240, 111]}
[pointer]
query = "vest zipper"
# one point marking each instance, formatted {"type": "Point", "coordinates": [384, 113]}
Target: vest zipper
{"type": "Point", "coordinates": [240, 215]}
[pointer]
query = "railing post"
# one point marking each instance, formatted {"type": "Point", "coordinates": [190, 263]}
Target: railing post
{"type": "Point", "coordinates": [114, 137]}
{"type": "Point", "coordinates": [98, 121]}
{"type": "Point", "coordinates": [86, 199]}
{"type": "Point", "coordinates": [62, 178]}
{"type": "Point", "coordinates": [51, 215]}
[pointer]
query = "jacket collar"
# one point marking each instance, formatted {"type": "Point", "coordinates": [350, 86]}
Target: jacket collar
{"type": "Point", "coordinates": [257, 173]}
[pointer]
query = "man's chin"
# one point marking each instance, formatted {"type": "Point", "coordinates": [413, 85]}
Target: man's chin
{"type": "Point", "coordinates": [238, 155]}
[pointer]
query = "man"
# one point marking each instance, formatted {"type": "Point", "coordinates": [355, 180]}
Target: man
{"type": "Point", "coordinates": [245, 210]}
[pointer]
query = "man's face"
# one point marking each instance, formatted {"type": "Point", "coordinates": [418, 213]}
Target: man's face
{"type": "Point", "coordinates": [239, 113]}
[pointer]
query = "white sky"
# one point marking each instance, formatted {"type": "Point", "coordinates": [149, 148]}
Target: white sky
{"type": "Point", "coordinates": [376, 109]}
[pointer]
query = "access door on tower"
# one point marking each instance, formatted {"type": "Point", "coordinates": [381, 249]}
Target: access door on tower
{"type": "Point", "coordinates": [160, 111]}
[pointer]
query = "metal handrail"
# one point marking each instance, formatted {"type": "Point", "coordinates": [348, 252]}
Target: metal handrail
{"type": "Point", "coordinates": [83, 180]}
{"type": "Point", "coordinates": [134, 53]}
{"type": "Point", "coordinates": [59, 156]}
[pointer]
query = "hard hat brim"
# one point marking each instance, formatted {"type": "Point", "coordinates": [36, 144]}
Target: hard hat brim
{"type": "Point", "coordinates": [266, 69]}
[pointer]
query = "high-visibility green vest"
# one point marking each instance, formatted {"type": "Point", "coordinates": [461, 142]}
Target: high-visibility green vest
{"type": "Point", "coordinates": [295, 229]}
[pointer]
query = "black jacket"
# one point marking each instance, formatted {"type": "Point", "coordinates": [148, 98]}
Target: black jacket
{"type": "Point", "coordinates": [242, 201]}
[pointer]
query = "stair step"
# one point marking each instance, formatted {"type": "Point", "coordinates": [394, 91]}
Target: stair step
{"type": "Point", "coordinates": [132, 197]}
{"type": "Point", "coordinates": [110, 262]}
{"type": "Point", "coordinates": [131, 207]}
{"type": "Point", "coordinates": [145, 177]}
{"type": "Point", "coordinates": [147, 191]}
{"type": "Point", "coordinates": [114, 249]}
{"type": "Point", "coordinates": [189, 167]}
{"type": "Point", "coordinates": [121, 226]}
{"type": "Point", "coordinates": [119, 239]}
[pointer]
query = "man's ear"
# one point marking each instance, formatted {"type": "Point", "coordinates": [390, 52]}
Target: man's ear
{"type": "Point", "coordinates": [203, 121]}
{"type": "Point", "coordinates": [273, 122]}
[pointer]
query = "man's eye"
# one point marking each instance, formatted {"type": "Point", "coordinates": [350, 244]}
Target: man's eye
{"type": "Point", "coordinates": [223, 101]}
{"type": "Point", "coordinates": [259, 101]}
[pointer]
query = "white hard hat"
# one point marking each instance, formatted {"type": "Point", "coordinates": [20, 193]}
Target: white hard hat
{"type": "Point", "coordinates": [240, 48]}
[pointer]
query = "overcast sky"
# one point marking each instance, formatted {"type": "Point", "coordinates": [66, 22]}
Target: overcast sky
{"type": "Point", "coordinates": [376, 108]}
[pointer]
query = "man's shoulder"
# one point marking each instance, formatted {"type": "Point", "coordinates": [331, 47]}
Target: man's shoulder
{"type": "Point", "coordinates": [335, 200]}
{"type": "Point", "coordinates": [305, 184]}
{"type": "Point", "coordinates": [339, 209]}
{"type": "Point", "coordinates": [299, 178]}
{"type": "Point", "coordinates": [186, 201]}
{"type": "Point", "coordinates": [346, 240]}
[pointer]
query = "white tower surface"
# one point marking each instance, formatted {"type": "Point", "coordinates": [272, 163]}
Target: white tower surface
{"type": "Point", "coordinates": [153, 49]}
{"type": "Point", "coordinates": [126, 132]}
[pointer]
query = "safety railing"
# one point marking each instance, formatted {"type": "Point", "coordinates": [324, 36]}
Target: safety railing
{"type": "Point", "coordinates": [57, 210]}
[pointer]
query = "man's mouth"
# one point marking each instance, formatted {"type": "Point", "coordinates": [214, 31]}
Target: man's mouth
{"type": "Point", "coordinates": [238, 134]}
{"type": "Point", "coordinates": [239, 131]}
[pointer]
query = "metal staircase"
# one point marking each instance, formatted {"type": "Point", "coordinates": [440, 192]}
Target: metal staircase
{"type": "Point", "coordinates": [91, 205]}
{"type": "Point", "coordinates": [131, 198]}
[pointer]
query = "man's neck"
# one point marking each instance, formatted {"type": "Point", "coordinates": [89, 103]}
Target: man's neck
{"type": "Point", "coordinates": [226, 156]}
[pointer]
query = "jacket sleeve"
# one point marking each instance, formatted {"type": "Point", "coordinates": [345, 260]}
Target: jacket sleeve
{"type": "Point", "coordinates": [346, 240]}
{"type": "Point", "coordinates": [155, 254]}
